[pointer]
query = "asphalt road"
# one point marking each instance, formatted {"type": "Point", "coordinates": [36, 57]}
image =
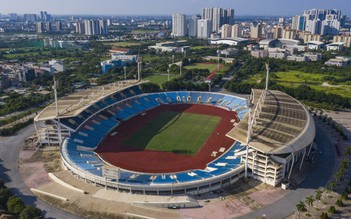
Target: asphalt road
{"type": "Point", "coordinates": [9, 153]}
{"type": "Point", "coordinates": [318, 176]}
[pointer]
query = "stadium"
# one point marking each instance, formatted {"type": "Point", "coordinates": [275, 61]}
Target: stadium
{"type": "Point", "coordinates": [179, 142]}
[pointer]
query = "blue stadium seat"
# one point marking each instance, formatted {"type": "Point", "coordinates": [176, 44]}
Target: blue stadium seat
{"type": "Point", "coordinates": [166, 179]}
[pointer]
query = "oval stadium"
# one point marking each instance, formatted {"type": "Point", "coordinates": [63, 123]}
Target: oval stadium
{"type": "Point", "coordinates": [177, 142]}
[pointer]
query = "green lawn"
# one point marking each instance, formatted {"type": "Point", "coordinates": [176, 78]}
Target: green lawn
{"type": "Point", "coordinates": [210, 66]}
{"type": "Point", "coordinates": [123, 44]}
{"type": "Point", "coordinates": [177, 132]}
{"type": "Point", "coordinates": [296, 78]}
{"type": "Point", "coordinates": [159, 79]}
{"type": "Point", "coordinates": [299, 77]}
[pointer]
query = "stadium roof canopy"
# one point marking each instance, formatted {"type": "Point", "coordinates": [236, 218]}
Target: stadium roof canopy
{"type": "Point", "coordinates": [75, 103]}
{"type": "Point", "coordinates": [283, 125]}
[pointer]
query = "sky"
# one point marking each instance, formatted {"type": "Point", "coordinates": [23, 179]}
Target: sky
{"type": "Point", "coordinates": [167, 7]}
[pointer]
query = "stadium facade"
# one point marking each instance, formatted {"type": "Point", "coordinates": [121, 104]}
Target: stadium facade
{"type": "Point", "coordinates": [274, 133]}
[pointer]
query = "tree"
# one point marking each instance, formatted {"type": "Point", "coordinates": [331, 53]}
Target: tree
{"type": "Point", "coordinates": [5, 194]}
{"type": "Point", "coordinates": [348, 151]}
{"type": "Point", "coordinates": [309, 201]}
{"type": "Point", "coordinates": [301, 207]}
{"type": "Point", "coordinates": [318, 195]}
{"type": "Point", "coordinates": [15, 205]}
{"type": "Point", "coordinates": [30, 213]}
{"type": "Point", "coordinates": [150, 87]}
{"type": "Point", "coordinates": [331, 185]}
{"type": "Point", "coordinates": [324, 215]}
{"type": "Point", "coordinates": [2, 184]}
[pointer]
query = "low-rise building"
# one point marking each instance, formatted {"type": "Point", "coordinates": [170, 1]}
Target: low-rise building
{"type": "Point", "coordinates": [313, 57]}
{"type": "Point", "coordinates": [315, 45]}
{"type": "Point", "coordinates": [277, 55]}
{"type": "Point", "coordinates": [297, 58]}
{"type": "Point", "coordinates": [337, 62]}
{"type": "Point", "coordinates": [337, 46]}
{"type": "Point", "coordinates": [57, 65]}
{"type": "Point", "coordinates": [259, 53]}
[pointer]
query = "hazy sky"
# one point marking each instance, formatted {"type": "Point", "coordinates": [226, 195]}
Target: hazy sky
{"type": "Point", "coordinates": [167, 7]}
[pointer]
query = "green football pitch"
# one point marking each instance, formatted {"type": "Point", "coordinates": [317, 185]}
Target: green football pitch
{"type": "Point", "coordinates": [172, 131]}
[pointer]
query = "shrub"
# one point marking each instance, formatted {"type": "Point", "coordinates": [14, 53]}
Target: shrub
{"type": "Point", "coordinates": [2, 184]}
{"type": "Point", "coordinates": [324, 215]}
{"type": "Point", "coordinates": [339, 203]}
{"type": "Point", "coordinates": [30, 213]}
{"type": "Point", "coordinates": [344, 196]}
{"type": "Point", "coordinates": [5, 194]}
{"type": "Point", "coordinates": [332, 209]}
{"type": "Point", "coordinates": [15, 205]}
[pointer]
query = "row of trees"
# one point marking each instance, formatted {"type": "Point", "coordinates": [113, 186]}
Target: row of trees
{"type": "Point", "coordinates": [301, 92]}
{"type": "Point", "coordinates": [326, 193]}
{"type": "Point", "coordinates": [15, 128]}
{"type": "Point", "coordinates": [14, 205]}
{"type": "Point", "coordinates": [17, 102]}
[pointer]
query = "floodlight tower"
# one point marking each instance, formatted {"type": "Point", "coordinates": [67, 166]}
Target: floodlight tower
{"type": "Point", "coordinates": [55, 93]}
{"type": "Point", "coordinates": [249, 131]}
{"type": "Point", "coordinates": [267, 76]}
{"type": "Point", "coordinates": [125, 72]}
{"type": "Point", "coordinates": [139, 68]}
{"type": "Point", "coordinates": [57, 110]}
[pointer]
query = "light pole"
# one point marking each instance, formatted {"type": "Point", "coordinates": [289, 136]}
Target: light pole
{"type": "Point", "coordinates": [125, 72]}
{"type": "Point", "coordinates": [168, 74]}
{"type": "Point", "coordinates": [218, 60]}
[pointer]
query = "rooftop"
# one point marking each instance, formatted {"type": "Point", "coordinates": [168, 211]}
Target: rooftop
{"type": "Point", "coordinates": [283, 125]}
{"type": "Point", "coordinates": [74, 104]}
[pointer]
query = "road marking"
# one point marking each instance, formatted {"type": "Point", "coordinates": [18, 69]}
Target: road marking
{"type": "Point", "coordinates": [140, 216]}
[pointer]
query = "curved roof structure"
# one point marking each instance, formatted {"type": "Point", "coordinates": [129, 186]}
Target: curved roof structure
{"type": "Point", "coordinates": [281, 124]}
{"type": "Point", "coordinates": [75, 103]}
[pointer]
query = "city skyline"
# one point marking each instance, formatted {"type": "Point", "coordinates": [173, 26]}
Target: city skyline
{"type": "Point", "coordinates": [161, 7]}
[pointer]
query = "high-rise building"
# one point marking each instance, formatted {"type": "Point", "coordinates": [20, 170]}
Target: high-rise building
{"type": "Point", "coordinates": [237, 30]}
{"type": "Point", "coordinates": [88, 27]}
{"type": "Point", "coordinates": [207, 13]}
{"type": "Point", "coordinates": [40, 28]}
{"type": "Point", "coordinates": [13, 16]}
{"type": "Point", "coordinates": [44, 16]}
{"type": "Point", "coordinates": [218, 17]}
{"type": "Point", "coordinates": [30, 17]}
{"type": "Point", "coordinates": [313, 26]}
{"type": "Point", "coordinates": [48, 27]}
{"type": "Point", "coordinates": [58, 26]}
{"type": "Point", "coordinates": [103, 27]}
{"type": "Point", "coordinates": [204, 28]}
{"type": "Point", "coordinates": [319, 21]}
{"type": "Point", "coordinates": [344, 39]}
{"type": "Point", "coordinates": [299, 22]}
{"type": "Point", "coordinates": [289, 34]}
{"type": "Point", "coordinates": [192, 25]}
{"type": "Point", "coordinates": [226, 31]}
{"type": "Point", "coordinates": [95, 27]}
{"type": "Point", "coordinates": [331, 25]}
{"type": "Point", "coordinates": [80, 27]}
{"type": "Point", "coordinates": [256, 30]}
{"type": "Point", "coordinates": [179, 27]}
{"type": "Point", "coordinates": [277, 32]}
{"type": "Point", "coordinates": [27, 74]}
{"type": "Point", "coordinates": [230, 16]}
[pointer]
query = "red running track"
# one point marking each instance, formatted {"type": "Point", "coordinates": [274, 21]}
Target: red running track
{"type": "Point", "coordinates": [135, 159]}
